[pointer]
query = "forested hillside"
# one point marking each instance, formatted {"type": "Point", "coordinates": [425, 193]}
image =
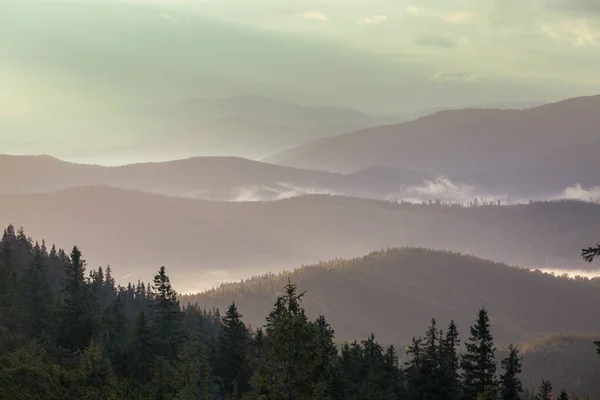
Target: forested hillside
{"type": "Point", "coordinates": [88, 338]}
{"type": "Point", "coordinates": [395, 292]}
{"type": "Point", "coordinates": [198, 239]}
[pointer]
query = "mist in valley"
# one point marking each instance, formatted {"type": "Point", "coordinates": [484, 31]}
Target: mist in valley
{"type": "Point", "coordinates": [351, 200]}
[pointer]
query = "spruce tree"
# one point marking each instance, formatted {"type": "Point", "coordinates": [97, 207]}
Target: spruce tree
{"type": "Point", "coordinates": [415, 370]}
{"type": "Point", "coordinates": [545, 391]}
{"type": "Point", "coordinates": [291, 352]}
{"type": "Point", "coordinates": [142, 352]}
{"type": "Point", "coordinates": [451, 362]}
{"type": "Point", "coordinates": [193, 378]}
{"type": "Point", "coordinates": [478, 362]}
{"type": "Point", "coordinates": [167, 317]}
{"type": "Point", "coordinates": [233, 348]}
{"type": "Point", "coordinates": [115, 337]}
{"type": "Point", "coordinates": [8, 285]}
{"type": "Point", "coordinates": [511, 385]}
{"type": "Point", "coordinates": [563, 395]}
{"type": "Point", "coordinates": [79, 309]}
{"type": "Point", "coordinates": [326, 357]}
{"type": "Point", "coordinates": [35, 302]}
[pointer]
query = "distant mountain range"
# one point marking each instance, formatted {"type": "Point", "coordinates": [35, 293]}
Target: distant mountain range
{"type": "Point", "coordinates": [212, 178]}
{"type": "Point", "coordinates": [542, 149]}
{"type": "Point", "coordinates": [207, 242]}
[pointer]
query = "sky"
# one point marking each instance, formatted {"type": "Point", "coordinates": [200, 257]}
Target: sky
{"type": "Point", "coordinates": [377, 56]}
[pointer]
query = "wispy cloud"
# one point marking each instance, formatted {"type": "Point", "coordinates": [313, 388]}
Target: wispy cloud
{"type": "Point", "coordinates": [316, 16]}
{"type": "Point", "coordinates": [576, 32]}
{"type": "Point", "coordinates": [378, 19]}
{"type": "Point", "coordinates": [433, 41]}
{"type": "Point", "coordinates": [585, 7]}
{"type": "Point", "coordinates": [454, 77]}
{"type": "Point", "coordinates": [460, 17]}
{"type": "Point", "coordinates": [412, 10]}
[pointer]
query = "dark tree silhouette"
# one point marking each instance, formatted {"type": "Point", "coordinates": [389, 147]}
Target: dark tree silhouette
{"type": "Point", "coordinates": [591, 253]}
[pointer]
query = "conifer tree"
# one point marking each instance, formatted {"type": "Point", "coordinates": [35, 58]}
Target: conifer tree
{"type": "Point", "coordinates": [563, 395]}
{"type": "Point", "coordinates": [478, 362]}
{"type": "Point", "coordinates": [451, 363]}
{"type": "Point", "coordinates": [233, 347]}
{"type": "Point", "coordinates": [545, 391]}
{"type": "Point", "coordinates": [290, 346]}
{"type": "Point", "coordinates": [79, 309]}
{"type": "Point", "coordinates": [193, 376]}
{"type": "Point", "coordinates": [511, 385]}
{"type": "Point", "coordinates": [8, 284]}
{"type": "Point", "coordinates": [415, 370]}
{"type": "Point", "coordinates": [166, 322]}
{"type": "Point", "coordinates": [142, 350]}
{"type": "Point", "coordinates": [35, 301]}
{"type": "Point", "coordinates": [115, 336]}
{"type": "Point", "coordinates": [326, 357]}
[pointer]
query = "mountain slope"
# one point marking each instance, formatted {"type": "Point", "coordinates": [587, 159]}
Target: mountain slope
{"type": "Point", "coordinates": [215, 178]}
{"type": "Point", "coordinates": [199, 240]}
{"type": "Point", "coordinates": [569, 361]}
{"type": "Point", "coordinates": [395, 293]}
{"type": "Point", "coordinates": [479, 144]}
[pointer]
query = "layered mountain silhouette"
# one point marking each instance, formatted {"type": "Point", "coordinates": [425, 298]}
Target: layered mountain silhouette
{"type": "Point", "coordinates": [542, 149]}
{"type": "Point", "coordinates": [203, 242]}
{"type": "Point", "coordinates": [213, 178]}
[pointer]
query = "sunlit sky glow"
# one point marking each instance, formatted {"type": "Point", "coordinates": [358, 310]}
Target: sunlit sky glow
{"type": "Point", "coordinates": [381, 56]}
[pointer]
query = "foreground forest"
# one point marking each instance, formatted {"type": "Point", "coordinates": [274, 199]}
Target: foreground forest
{"type": "Point", "coordinates": [67, 334]}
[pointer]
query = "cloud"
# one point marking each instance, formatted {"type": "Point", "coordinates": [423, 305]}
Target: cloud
{"type": "Point", "coordinates": [459, 17]}
{"type": "Point", "coordinates": [378, 19]}
{"type": "Point", "coordinates": [577, 192]}
{"type": "Point", "coordinates": [316, 16]}
{"type": "Point", "coordinates": [585, 7]}
{"type": "Point", "coordinates": [433, 41]}
{"type": "Point", "coordinates": [446, 77]}
{"type": "Point", "coordinates": [442, 189]}
{"type": "Point", "coordinates": [575, 32]}
{"type": "Point", "coordinates": [412, 10]}
{"type": "Point", "coordinates": [279, 191]}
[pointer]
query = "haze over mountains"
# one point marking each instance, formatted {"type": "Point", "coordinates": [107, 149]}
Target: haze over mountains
{"type": "Point", "coordinates": [246, 126]}
{"type": "Point", "coordinates": [205, 242]}
{"type": "Point", "coordinates": [539, 150]}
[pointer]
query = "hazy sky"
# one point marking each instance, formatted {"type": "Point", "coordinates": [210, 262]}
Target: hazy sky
{"type": "Point", "coordinates": [380, 56]}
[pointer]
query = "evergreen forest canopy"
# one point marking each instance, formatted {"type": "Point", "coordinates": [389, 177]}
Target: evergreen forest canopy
{"type": "Point", "coordinates": [69, 334]}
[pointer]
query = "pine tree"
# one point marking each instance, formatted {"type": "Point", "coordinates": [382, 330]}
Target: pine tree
{"type": "Point", "coordinates": [234, 342]}
{"type": "Point", "coordinates": [545, 391]}
{"type": "Point", "coordinates": [167, 317]}
{"type": "Point", "coordinates": [510, 383]}
{"type": "Point", "coordinates": [563, 395]}
{"type": "Point", "coordinates": [79, 308]}
{"type": "Point", "coordinates": [35, 302]}
{"type": "Point", "coordinates": [478, 362]}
